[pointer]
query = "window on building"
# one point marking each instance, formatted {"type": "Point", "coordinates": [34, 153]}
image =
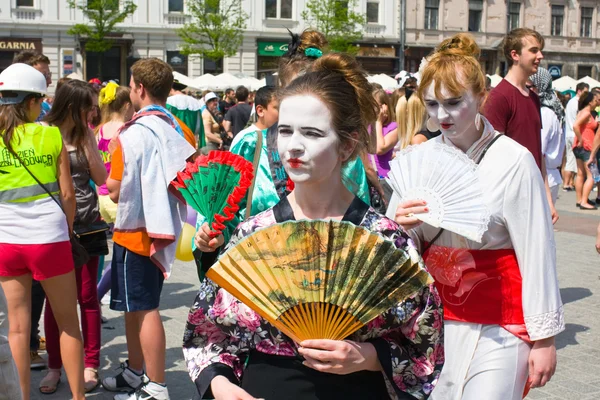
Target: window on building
{"type": "Point", "coordinates": [514, 15]}
{"type": "Point", "coordinates": [175, 6]}
{"type": "Point", "coordinates": [108, 4]}
{"type": "Point", "coordinates": [475, 11]}
{"type": "Point", "coordinates": [341, 9]}
{"type": "Point", "coordinates": [372, 12]}
{"type": "Point", "coordinates": [24, 3]}
{"type": "Point", "coordinates": [278, 9]}
{"type": "Point", "coordinates": [212, 7]}
{"type": "Point", "coordinates": [587, 14]}
{"type": "Point", "coordinates": [178, 62]}
{"type": "Point", "coordinates": [558, 15]}
{"type": "Point", "coordinates": [583, 71]}
{"type": "Point", "coordinates": [213, 67]}
{"type": "Point", "coordinates": [432, 8]}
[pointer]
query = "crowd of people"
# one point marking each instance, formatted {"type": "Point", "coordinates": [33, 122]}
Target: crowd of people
{"type": "Point", "coordinates": [98, 160]}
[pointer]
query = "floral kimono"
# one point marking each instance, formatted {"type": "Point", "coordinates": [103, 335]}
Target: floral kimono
{"type": "Point", "coordinates": [225, 337]}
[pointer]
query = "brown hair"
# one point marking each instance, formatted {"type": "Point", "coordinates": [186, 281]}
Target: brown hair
{"type": "Point", "coordinates": [586, 99]}
{"type": "Point", "coordinates": [340, 82]}
{"type": "Point", "coordinates": [514, 41]}
{"type": "Point", "coordinates": [155, 75]}
{"type": "Point", "coordinates": [12, 116]}
{"type": "Point", "coordinates": [61, 82]}
{"type": "Point", "coordinates": [116, 106]}
{"type": "Point", "coordinates": [71, 100]}
{"type": "Point", "coordinates": [295, 61]}
{"type": "Point", "coordinates": [31, 58]}
{"type": "Point", "coordinates": [382, 97]}
{"type": "Point", "coordinates": [454, 64]}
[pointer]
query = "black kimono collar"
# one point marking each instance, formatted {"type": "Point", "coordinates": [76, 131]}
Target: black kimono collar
{"type": "Point", "coordinates": [355, 213]}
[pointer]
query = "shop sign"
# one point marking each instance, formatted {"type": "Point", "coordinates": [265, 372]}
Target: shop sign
{"type": "Point", "coordinates": [272, 49]}
{"type": "Point", "coordinates": [67, 62]}
{"type": "Point", "coordinates": [555, 71]}
{"type": "Point", "coordinates": [11, 44]}
{"type": "Point", "coordinates": [387, 52]}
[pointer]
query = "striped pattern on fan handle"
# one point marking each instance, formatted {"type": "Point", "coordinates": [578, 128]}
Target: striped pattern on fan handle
{"type": "Point", "coordinates": [318, 279]}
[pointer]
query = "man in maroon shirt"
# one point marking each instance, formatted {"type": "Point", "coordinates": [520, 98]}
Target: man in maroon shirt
{"type": "Point", "coordinates": [511, 107]}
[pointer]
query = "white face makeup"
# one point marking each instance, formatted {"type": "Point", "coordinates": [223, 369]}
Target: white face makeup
{"type": "Point", "coordinates": [454, 114]}
{"type": "Point", "coordinates": [307, 143]}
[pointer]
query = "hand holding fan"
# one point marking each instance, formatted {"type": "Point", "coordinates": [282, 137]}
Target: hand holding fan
{"type": "Point", "coordinates": [448, 181]}
{"type": "Point", "coordinates": [318, 279]}
{"type": "Point", "coordinates": [213, 185]}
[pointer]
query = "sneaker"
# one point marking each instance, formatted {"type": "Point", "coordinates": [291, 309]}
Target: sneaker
{"type": "Point", "coordinates": [148, 391]}
{"type": "Point", "coordinates": [37, 362]}
{"type": "Point", "coordinates": [124, 381]}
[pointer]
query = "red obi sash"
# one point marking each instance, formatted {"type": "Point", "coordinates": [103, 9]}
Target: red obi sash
{"type": "Point", "coordinates": [478, 286]}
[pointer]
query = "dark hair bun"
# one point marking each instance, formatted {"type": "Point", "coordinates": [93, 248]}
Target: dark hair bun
{"type": "Point", "coordinates": [350, 70]}
{"type": "Point", "coordinates": [311, 38]}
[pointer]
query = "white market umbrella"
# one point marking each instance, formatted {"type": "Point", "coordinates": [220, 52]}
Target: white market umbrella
{"type": "Point", "coordinates": [496, 79]}
{"type": "Point", "coordinates": [75, 76]}
{"type": "Point", "coordinates": [387, 82]}
{"type": "Point", "coordinates": [564, 83]}
{"type": "Point", "coordinates": [226, 80]}
{"type": "Point", "coordinates": [260, 83]}
{"type": "Point", "coordinates": [592, 82]}
{"type": "Point", "coordinates": [255, 84]}
{"type": "Point", "coordinates": [204, 82]}
{"type": "Point", "coordinates": [189, 82]}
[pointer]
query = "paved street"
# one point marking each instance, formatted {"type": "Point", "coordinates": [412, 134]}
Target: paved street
{"type": "Point", "coordinates": [578, 347]}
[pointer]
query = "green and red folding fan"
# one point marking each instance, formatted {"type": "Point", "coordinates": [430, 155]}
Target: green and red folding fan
{"type": "Point", "coordinates": [214, 185]}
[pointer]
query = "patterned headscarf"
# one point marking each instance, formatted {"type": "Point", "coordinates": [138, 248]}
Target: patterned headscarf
{"type": "Point", "coordinates": [543, 81]}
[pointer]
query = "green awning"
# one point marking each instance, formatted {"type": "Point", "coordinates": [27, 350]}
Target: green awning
{"type": "Point", "coordinates": [273, 49]}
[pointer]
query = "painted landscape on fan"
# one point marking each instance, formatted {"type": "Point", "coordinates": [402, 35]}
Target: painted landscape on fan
{"type": "Point", "coordinates": [317, 279]}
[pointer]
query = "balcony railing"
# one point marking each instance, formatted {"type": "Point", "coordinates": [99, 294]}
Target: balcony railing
{"type": "Point", "coordinates": [176, 19]}
{"type": "Point", "coordinates": [26, 14]}
{"type": "Point", "coordinates": [373, 29]}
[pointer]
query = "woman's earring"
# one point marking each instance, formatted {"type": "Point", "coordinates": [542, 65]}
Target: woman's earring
{"type": "Point", "coordinates": [432, 126]}
{"type": "Point", "coordinates": [478, 121]}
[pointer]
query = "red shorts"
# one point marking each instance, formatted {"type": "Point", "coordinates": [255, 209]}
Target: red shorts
{"type": "Point", "coordinates": [42, 261]}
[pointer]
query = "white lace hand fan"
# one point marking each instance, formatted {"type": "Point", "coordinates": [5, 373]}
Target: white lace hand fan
{"type": "Point", "coordinates": [448, 181]}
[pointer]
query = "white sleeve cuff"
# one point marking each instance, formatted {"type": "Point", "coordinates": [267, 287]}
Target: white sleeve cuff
{"type": "Point", "coordinates": [542, 326]}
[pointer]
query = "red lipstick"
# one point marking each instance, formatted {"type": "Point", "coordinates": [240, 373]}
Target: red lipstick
{"type": "Point", "coordinates": [295, 163]}
{"type": "Point", "coordinates": [446, 126]}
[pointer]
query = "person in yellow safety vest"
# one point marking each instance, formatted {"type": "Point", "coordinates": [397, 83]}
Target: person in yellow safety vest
{"type": "Point", "coordinates": [34, 231]}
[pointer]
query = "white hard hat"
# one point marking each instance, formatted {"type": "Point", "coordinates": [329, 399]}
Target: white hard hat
{"type": "Point", "coordinates": [19, 80]}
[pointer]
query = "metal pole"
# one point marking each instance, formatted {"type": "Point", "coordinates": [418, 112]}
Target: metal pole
{"type": "Point", "coordinates": [402, 33]}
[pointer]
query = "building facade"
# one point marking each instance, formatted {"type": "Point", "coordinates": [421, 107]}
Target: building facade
{"type": "Point", "coordinates": [43, 25]}
{"type": "Point", "coordinates": [266, 35]}
{"type": "Point", "coordinates": [571, 29]}
{"type": "Point", "coordinates": [151, 32]}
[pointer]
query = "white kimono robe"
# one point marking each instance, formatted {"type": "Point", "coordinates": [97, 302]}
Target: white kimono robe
{"type": "Point", "coordinates": [514, 192]}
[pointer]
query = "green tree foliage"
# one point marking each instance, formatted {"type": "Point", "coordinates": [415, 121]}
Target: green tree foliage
{"type": "Point", "coordinates": [103, 16]}
{"type": "Point", "coordinates": [338, 21]}
{"type": "Point", "coordinates": [215, 30]}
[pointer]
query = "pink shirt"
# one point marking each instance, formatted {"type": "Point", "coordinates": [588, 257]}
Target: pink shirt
{"type": "Point", "coordinates": [103, 148]}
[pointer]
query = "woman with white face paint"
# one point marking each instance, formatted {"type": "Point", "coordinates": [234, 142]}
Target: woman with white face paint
{"type": "Point", "coordinates": [323, 122]}
{"type": "Point", "coordinates": [502, 306]}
